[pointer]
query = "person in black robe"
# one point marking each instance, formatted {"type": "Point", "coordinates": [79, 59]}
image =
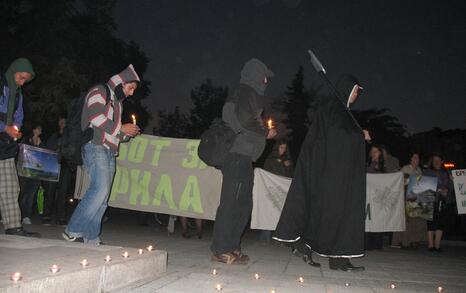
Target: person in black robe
{"type": "Point", "coordinates": [324, 210]}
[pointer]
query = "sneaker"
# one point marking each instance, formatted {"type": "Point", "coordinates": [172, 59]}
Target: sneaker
{"type": "Point", "coordinates": [21, 232]}
{"type": "Point", "coordinates": [226, 258]}
{"type": "Point", "coordinates": [70, 238]}
{"type": "Point", "coordinates": [26, 221]}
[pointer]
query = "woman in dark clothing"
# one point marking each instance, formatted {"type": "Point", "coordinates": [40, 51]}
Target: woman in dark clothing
{"type": "Point", "coordinates": [443, 197]}
{"type": "Point", "coordinates": [375, 165]}
{"type": "Point", "coordinates": [29, 186]}
{"type": "Point", "coordinates": [375, 162]}
{"type": "Point", "coordinates": [279, 161]}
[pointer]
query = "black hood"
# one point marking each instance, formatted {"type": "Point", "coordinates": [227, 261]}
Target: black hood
{"type": "Point", "coordinates": [345, 85]}
{"type": "Point", "coordinates": [253, 73]}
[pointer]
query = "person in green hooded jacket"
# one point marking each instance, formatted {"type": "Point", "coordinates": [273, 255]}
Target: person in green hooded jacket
{"type": "Point", "coordinates": [11, 120]}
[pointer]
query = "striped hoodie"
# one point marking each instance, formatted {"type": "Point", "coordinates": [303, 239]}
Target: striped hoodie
{"type": "Point", "coordinates": [104, 118]}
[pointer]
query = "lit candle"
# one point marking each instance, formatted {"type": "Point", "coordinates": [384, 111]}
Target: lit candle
{"type": "Point", "coordinates": [150, 248]}
{"type": "Point", "coordinates": [393, 286]}
{"type": "Point", "coordinates": [270, 123]}
{"type": "Point", "coordinates": [439, 289]}
{"type": "Point", "coordinates": [272, 291]}
{"type": "Point", "coordinates": [108, 258]}
{"type": "Point", "coordinates": [140, 251]}
{"type": "Point", "coordinates": [84, 263]}
{"type": "Point", "coordinates": [134, 118]}
{"type": "Point", "coordinates": [256, 276]}
{"type": "Point", "coordinates": [301, 280]}
{"type": "Point", "coordinates": [54, 269]}
{"type": "Point", "coordinates": [125, 254]}
{"type": "Point", "coordinates": [17, 129]}
{"type": "Point", "coordinates": [214, 272]}
{"type": "Point", "coordinates": [16, 277]}
{"type": "Point", "coordinates": [218, 287]}
{"type": "Point", "coordinates": [347, 284]}
{"type": "Point", "coordinates": [71, 200]}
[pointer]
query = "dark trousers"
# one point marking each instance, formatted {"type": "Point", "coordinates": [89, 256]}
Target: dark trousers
{"type": "Point", "coordinates": [55, 195]}
{"type": "Point", "coordinates": [27, 195]}
{"type": "Point", "coordinates": [235, 203]}
{"type": "Point", "coordinates": [373, 240]}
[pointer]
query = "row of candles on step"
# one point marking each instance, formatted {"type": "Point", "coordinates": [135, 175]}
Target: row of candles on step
{"type": "Point", "coordinates": [219, 287]}
{"type": "Point", "coordinates": [84, 263]}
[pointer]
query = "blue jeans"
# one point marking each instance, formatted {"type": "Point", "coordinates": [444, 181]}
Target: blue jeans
{"type": "Point", "coordinates": [86, 220]}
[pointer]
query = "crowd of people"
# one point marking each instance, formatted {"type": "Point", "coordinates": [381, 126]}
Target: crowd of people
{"type": "Point", "coordinates": [319, 216]}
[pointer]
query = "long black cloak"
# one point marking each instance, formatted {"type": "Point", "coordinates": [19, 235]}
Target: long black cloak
{"type": "Point", "coordinates": [325, 205]}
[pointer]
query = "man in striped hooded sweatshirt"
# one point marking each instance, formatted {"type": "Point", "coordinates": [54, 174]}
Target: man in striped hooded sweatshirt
{"type": "Point", "coordinates": [103, 115]}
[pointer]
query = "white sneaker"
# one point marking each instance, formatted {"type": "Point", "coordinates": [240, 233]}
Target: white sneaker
{"type": "Point", "coordinates": [27, 221]}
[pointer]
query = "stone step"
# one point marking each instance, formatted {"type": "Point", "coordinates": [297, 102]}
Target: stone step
{"type": "Point", "coordinates": [33, 259]}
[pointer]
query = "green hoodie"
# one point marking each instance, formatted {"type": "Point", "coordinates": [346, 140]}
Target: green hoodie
{"type": "Point", "coordinates": [19, 65]}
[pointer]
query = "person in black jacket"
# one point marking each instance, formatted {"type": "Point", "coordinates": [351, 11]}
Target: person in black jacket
{"type": "Point", "coordinates": [55, 193]}
{"type": "Point", "coordinates": [242, 112]}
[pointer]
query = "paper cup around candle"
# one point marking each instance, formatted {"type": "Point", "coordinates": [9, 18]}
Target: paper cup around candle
{"type": "Point", "coordinates": [256, 276]}
{"type": "Point", "coordinates": [140, 251]}
{"type": "Point", "coordinates": [125, 254]}
{"type": "Point", "coordinates": [84, 263]}
{"type": "Point", "coordinates": [150, 248]}
{"type": "Point", "coordinates": [16, 277]}
{"type": "Point", "coordinates": [301, 279]}
{"type": "Point", "coordinates": [214, 272]}
{"type": "Point", "coordinates": [108, 258]}
{"type": "Point", "coordinates": [54, 269]}
{"type": "Point", "coordinates": [218, 287]}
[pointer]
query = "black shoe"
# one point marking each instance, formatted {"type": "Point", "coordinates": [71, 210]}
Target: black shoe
{"type": "Point", "coordinates": [21, 232]}
{"type": "Point", "coordinates": [186, 235]}
{"type": "Point", "coordinates": [431, 249]}
{"type": "Point", "coordinates": [300, 249]}
{"type": "Point", "coordinates": [72, 238]}
{"type": "Point", "coordinates": [46, 221]}
{"type": "Point", "coordinates": [439, 250]}
{"type": "Point", "coordinates": [343, 265]}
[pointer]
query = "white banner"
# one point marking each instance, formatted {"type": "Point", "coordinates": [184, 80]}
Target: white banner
{"type": "Point", "coordinates": [269, 195]}
{"type": "Point", "coordinates": [165, 175]}
{"type": "Point", "coordinates": [459, 179]}
{"type": "Point", "coordinates": [385, 203]}
{"type": "Point", "coordinates": [385, 210]}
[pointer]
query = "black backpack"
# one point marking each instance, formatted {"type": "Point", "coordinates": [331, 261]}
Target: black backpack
{"type": "Point", "coordinates": [73, 137]}
{"type": "Point", "coordinates": [216, 143]}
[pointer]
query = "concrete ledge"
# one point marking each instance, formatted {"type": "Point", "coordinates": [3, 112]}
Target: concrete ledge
{"type": "Point", "coordinates": [33, 258]}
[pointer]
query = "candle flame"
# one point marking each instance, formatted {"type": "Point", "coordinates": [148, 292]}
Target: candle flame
{"type": "Point", "coordinates": [270, 123]}
{"type": "Point", "coordinates": [134, 118]}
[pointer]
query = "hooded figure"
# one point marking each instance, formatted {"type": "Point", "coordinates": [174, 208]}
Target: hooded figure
{"type": "Point", "coordinates": [324, 211]}
{"type": "Point", "coordinates": [103, 114]}
{"type": "Point", "coordinates": [242, 112]}
{"type": "Point", "coordinates": [105, 118]}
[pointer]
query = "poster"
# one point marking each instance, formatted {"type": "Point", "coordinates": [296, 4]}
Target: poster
{"type": "Point", "coordinates": [459, 180]}
{"type": "Point", "coordinates": [38, 163]}
{"type": "Point", "coordinates": [420, 197]}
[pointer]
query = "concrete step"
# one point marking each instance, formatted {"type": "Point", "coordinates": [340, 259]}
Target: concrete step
{"type": "Point", "coordinates": [33, 259]}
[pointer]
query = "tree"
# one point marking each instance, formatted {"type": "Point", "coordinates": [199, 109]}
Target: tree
{"type": "Point", "coordinates": [72, 46]}
{"type": "Point", "coordinates": [173, 124]}
{"type": "Point", "coordinates": [384, 129]}
{"type": "Point", "coordinates": [208, 102]}
{"type": "Point", "coordinates": [295, 103]}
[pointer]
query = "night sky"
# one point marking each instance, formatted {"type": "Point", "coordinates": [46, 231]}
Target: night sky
{"type": "Point", "coordinates": [409, 55]}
